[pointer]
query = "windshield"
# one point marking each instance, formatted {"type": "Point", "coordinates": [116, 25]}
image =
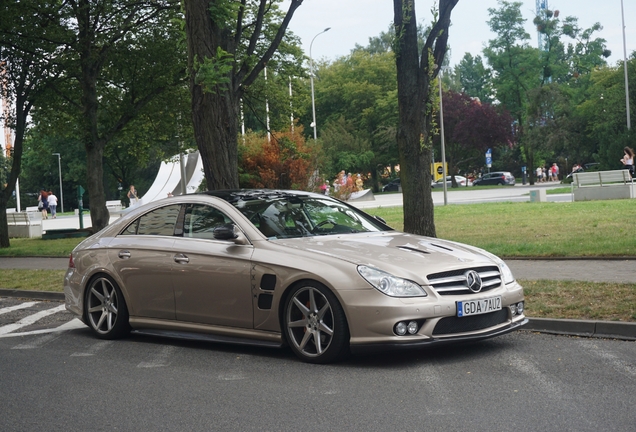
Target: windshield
{"type": "Point", "coordinates": [288, 215]}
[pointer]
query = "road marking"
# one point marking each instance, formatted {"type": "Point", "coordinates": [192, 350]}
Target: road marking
{"type": "Point", "coordinates": [93, 349]}
{"type": "Point", "coordinates": [17, 307]}
{"type": "Point", "coordinates": [37, 342]}
{"type": "Point", "coordinates": [161, 359]}
{"type": "Point", "coordinates": [31, 319]}
{"type": "Point", "coordinates": [75, 323]}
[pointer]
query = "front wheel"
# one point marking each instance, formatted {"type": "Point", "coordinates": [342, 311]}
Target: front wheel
{"type": "Point", "coordinates": [105, 308]}
{"type": "Point", "coordinates": [315, 324]}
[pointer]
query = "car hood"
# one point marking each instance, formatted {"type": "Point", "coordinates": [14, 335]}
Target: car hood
{"type": "Point", "coordinates": [405, 255]}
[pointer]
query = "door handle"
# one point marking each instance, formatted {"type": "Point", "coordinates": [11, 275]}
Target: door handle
{"type": "Point", "coordinates": [124, 254]}
{"type": "Point", "coordinates": [181, 259]}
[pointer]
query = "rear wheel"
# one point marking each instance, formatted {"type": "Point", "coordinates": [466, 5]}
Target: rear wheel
{"type": "Point", "coordinates": [315, 324]}
{"type": "Point", "coordinates": [105, 308]}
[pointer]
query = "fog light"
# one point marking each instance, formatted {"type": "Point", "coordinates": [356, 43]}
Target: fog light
{"type": "Point", "coordinates": [520, 308]}
{"type": "Point", "coordinates": [400, 329]}
{"type": "Point", "coordinates": [413, 327]}
{"type": "Point", "coordinates": [513, 309]}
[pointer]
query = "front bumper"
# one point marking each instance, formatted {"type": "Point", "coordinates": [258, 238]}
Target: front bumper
{"type": "Point", "coordinates": [374, 347]}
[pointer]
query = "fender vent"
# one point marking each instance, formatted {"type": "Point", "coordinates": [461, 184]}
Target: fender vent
{"type": "Point", "coordinates": [265, 301]}
{"type": "Point", "coordinates": [268, 282]}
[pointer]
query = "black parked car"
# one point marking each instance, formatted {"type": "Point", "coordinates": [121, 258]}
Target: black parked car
{"type": "Point", "coordinates": [495, 178]}
{"type": "Point", "coordinates": [392, 186]}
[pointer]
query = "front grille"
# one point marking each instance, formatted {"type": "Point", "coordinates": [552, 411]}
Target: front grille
{"type": "Point", "coordinates": [454, 282]}
{"type": "Point", "coordinates": [451, 325]}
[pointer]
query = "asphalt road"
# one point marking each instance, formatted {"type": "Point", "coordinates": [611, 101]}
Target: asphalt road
{"type": "Point", "coordinates": [72, 381]}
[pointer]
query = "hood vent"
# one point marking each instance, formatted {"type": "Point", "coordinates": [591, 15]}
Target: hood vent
{"type": "Point", "coordinates": [412, 249]}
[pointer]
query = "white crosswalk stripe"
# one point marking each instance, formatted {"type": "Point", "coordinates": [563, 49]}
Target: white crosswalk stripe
{"type": "Point", "coordinates": [26, 321]}
{"type": "Point", "coordinates": [17, 307]}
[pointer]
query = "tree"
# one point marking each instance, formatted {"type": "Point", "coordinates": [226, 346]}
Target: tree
{"type": "Point", "coordinates": [471, 127]}
{"type": "Point", "coordinates": [358, 98]}
{"type": "Point", "coordinates": [283, 162]}
{"type": "Point", "coordinates": [474, 78]}
{"type": "Point", "coordinates": [111, 59]}
{"type": "Point", "coordinates": [108, 94]}
{"type": "Point", "coordinates": [416, 71]}
{"type": "Point", "coordinates": [229, 45]}
{"type": "Point", "coordinates": [26, 71]}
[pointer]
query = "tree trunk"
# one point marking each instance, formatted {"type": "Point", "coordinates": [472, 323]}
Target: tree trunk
{"type": "Point", "coordinates": [415, 72]}
{"type": "Point", "coordinates": [215, 118]}
{"type": "Point", "coordinates": [93, 144]}
{"type": "Point", "coordinates": [214, 113]}
{"type": "Point", "coordinates": [216, 108]}
{"type": "Point", "coordinates": [95, 185]}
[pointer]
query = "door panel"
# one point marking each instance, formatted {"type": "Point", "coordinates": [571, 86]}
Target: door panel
{"type": "Point", "coordinates": [212, 283]}
{"type": "Point", "coordinates": [144, 265]}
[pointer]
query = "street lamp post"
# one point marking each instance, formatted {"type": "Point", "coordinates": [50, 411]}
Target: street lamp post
{"type": "Point", "coordinates": [311, 79]}
{"type": "Point", "coordinates": [59, 167]}
{"type": "Point", "coordinates": [441, 122]}
{"type": "Point", "coordinates": [629, 122]}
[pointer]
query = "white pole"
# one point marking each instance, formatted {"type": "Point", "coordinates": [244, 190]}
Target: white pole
{"type": "Point", "coordinates": [311, 79]}
{"type": "Point", "coordinates": [441, 123]}
{"type": "Point", "coordinates": [17, 195]}
{"type": "Point", "coordinates": [291, 107]}
{"type": "Point", "coordinates": [269, 135]}
{"type": "Point", "coordinates": [629, 122]}
{"type": "Point", "coordinates": [59, 170]}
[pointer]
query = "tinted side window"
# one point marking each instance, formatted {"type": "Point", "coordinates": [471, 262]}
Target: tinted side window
{"type": "Point", "coordinates": [157, 222]}
{"type": "Point", "coordinates": [200, 221]}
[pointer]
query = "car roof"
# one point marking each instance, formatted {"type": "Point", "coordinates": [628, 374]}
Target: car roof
{"type": "Point", "coordinates": [234, 195]}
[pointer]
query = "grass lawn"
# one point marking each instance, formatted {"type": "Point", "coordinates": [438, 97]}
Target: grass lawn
{"type": "Point", "coordinates": [526, 229]}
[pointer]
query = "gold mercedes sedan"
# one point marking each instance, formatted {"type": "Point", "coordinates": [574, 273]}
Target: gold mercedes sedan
{"type": "Point", "coordinates": [285, 268]}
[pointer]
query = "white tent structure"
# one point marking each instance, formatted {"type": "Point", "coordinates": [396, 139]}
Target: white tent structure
{"type": "Point", "coordinates": [169, 177]}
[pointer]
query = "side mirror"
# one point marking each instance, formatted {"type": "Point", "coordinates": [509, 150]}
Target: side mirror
{"type": "Point", "coordinates": [380, 219]}
{"type": "Point", "coordinates": [225, 232]}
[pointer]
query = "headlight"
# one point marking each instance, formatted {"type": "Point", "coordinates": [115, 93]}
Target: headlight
{"type": "Point", "coordinates": [506, 273]}
{"type": "Point", "coordinates": [389, 284]}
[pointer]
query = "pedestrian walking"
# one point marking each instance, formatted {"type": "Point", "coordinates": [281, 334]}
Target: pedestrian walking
{"type": "Point", "coordinates": [132, 195]}
{"type": "Point", "coordinates": [628, 160]}
{"type": "Point", "coordinates": [52, 200]}
{"type": "Point", "coordinates": [43, 203]}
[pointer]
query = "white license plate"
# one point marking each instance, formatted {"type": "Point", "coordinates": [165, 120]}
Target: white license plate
{"type": "Point", "coordinates": [476, 307]}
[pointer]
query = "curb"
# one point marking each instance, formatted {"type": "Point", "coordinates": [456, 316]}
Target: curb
{"type": "Point", "coordinates": [32, 295]}
{"type": "Point", "coordinates": [584, 328]}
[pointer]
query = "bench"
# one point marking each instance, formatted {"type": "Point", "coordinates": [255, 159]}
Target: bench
{"type": "Point", "coordinates": [602, 185]}
{"type": "Point", "coordinates": [114, 205]}
{"type": "Point", "coordinates": [24, 224]}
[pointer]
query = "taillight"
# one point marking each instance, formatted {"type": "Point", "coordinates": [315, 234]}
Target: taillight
{"type": "Point", "coordinates": [71, 264]}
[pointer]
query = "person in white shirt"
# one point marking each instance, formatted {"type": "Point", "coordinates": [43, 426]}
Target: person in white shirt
{"type": "Point", "coordinates": [52, 200]}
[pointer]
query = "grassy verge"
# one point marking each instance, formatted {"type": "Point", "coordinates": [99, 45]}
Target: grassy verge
{"type": "Point", "coordinates": [577, 229]}
{"type": "Point", "coordinates": [38, 247]}
{"type": "Point", "coordinates": [544, 298]}
{"type": "Point", "coordinates": [33, 280]}
{"type": "Point", "coordinates": [580, 300]}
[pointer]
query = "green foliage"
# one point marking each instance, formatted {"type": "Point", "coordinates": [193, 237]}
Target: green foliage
{"type": "Point", "coordinates": [214, 71]}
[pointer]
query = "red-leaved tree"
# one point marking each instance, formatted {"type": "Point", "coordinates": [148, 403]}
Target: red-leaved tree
{"type": "Point", "coordinates": [471, 127]}
{"type": "Point", "coordinates": [283, 162]}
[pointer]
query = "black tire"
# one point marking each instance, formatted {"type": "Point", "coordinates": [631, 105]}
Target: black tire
{"type": "Point", "coordinates": [315, 325]}
{"type": "Point", "coordinates": [105, 308]}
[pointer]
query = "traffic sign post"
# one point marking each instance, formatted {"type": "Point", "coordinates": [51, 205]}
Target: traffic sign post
{"type": "Point", "coordinates": [489, 159]}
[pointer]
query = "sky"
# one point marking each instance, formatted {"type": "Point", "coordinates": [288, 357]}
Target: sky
{"type": "Point", "coordinates": [355, 21]}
